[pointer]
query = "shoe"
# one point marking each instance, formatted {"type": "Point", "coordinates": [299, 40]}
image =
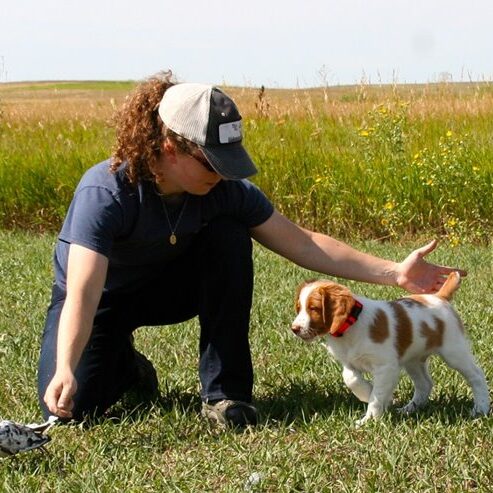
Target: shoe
{"type": "Point", "coordinates": [146, 386]}
{"type": "Point", "coordinates": [228, 413]}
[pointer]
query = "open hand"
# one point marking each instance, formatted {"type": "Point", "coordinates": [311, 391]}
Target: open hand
{"type": "Point", "coordinates": [416, 275]}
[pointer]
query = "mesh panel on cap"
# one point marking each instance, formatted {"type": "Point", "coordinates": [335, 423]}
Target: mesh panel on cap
{"type": "Point", "coordinates": [185, 110]}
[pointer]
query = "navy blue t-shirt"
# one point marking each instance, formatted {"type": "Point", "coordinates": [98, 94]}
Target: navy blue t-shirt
{"type": "Point", "coordinates": [128, 223]}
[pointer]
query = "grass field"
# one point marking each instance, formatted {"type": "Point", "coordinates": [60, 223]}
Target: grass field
{"type": "Point", "coordinates": [306, 442]}
{"type": "Point", "coordinates": [363, 161]}
{"type": "Point", "coordinates": [393, 163]}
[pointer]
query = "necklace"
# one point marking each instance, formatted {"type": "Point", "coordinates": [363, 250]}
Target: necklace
{"type": "Point", "coordinates": [172, 236]}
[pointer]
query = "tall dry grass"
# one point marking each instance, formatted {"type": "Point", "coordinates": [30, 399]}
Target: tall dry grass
{"type": "Point", "coordinates": [370, 161]}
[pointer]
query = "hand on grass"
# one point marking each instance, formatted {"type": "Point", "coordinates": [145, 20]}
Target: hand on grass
{"type": "Point", "coordinates": [59, 394]}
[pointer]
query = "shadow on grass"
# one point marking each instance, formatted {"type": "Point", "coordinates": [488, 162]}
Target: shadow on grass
{"type": "Point", "coordinates": [298, 402]}
{"type": "Point", "coordinates": [168, 401]}
{"type": "Point", "coordinates": [302, 401]}
{"type": "Point", "coordinates": [446, 409]}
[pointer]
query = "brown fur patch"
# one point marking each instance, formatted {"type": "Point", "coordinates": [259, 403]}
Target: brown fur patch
{"type": "Point", "coordinates": [404, 329]}
{"type": "Point", "coordinates": [328, 305]}
{"type": "Point", "coordinates": [379, 330]}
{"type": "Point", "coordinates": [315, 310]}
{"type": "Point", "coordinates": [434, 337]}
{"type": "Point", "coordinates": [297, 305]}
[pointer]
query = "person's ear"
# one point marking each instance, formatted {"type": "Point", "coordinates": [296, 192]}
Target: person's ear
{"type": "Point", "coordinates": [168, 146]}
{"type": "Point", "coordinates": [169, 149]}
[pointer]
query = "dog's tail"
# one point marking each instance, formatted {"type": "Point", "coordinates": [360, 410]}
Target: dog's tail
{"type": "Point", "coordinates": [450, 286]}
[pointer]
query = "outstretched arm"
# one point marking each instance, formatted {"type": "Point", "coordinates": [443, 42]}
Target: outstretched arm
{"type": "Point", "coordinates": [324, 254]}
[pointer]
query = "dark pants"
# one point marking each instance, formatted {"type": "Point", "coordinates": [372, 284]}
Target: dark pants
{"type": "Point", "coordinates": [212, 279]}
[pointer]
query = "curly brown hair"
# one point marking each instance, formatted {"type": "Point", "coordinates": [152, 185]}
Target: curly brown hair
{"type": "Point", "coordinates": [140, 132]}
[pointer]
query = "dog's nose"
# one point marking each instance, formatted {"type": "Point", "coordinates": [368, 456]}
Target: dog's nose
{"type": "Point", "coordinates": [296, 328]}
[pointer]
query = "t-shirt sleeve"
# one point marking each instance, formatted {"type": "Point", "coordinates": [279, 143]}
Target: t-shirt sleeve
{"type": "Point", "coordinates": [94, 219]}
{"type": "Point", "coordinates": [251, 204]}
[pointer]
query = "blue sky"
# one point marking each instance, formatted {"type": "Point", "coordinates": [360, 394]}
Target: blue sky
{"type": "Point", "coordinates": [277, 43]}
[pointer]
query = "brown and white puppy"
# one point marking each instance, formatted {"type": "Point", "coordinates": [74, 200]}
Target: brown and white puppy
{"type": "Point", "coordinates": [381, 337]}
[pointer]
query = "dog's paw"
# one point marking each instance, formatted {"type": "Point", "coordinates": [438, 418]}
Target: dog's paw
{"type": "Point", "coordinates": [480, 410]}
{"type": "Point", "coordinates": [361, 422]}
{"type": "Point", "coordinates": [409, 408]}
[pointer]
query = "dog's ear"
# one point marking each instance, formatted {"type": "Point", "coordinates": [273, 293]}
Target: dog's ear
{"type": "Point", "coordinates": [337, 305]}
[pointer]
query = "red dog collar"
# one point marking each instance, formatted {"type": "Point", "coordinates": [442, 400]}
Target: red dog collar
{"type": "Point", "coordinates": [352, 318]}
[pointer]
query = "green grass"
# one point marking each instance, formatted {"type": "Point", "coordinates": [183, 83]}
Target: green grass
{"type": "Point", "coordinates": [40, 167]}
{"type": "Point", "coordinates": [306, 441]}
{"type": "Point", "coordinates": [383, 176]}
{"type": "Point", "coordinates": [385, 163]}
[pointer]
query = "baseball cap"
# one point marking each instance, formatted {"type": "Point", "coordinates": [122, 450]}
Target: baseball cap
{"type": "Point", "coordinates": [205, 115]}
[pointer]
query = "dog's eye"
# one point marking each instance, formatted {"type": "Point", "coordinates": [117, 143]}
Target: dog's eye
{"type": "Point", "coordinates": [314, 309]}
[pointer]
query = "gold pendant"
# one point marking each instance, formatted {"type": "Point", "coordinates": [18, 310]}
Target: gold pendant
{"type": "Point", "coordinates": [172, 239]}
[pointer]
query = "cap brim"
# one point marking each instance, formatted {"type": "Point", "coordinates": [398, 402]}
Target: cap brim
{"type": "Point", "coordinates": [231, 161]}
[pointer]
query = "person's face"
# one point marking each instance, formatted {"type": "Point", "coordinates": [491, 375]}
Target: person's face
{"type": "Point", "coordinates": [195, 174]}
{"type": "Point", "coordinates": [180, 172]}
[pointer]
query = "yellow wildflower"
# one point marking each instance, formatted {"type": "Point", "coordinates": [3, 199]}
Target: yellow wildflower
{"type": "Point", "coordinates": [454, 242]}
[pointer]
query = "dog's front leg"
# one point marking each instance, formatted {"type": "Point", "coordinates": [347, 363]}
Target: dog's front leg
{"type": "Point", "coordinates": [360, 387]}
{"type": "Point", "coordinates": [385, 379]}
